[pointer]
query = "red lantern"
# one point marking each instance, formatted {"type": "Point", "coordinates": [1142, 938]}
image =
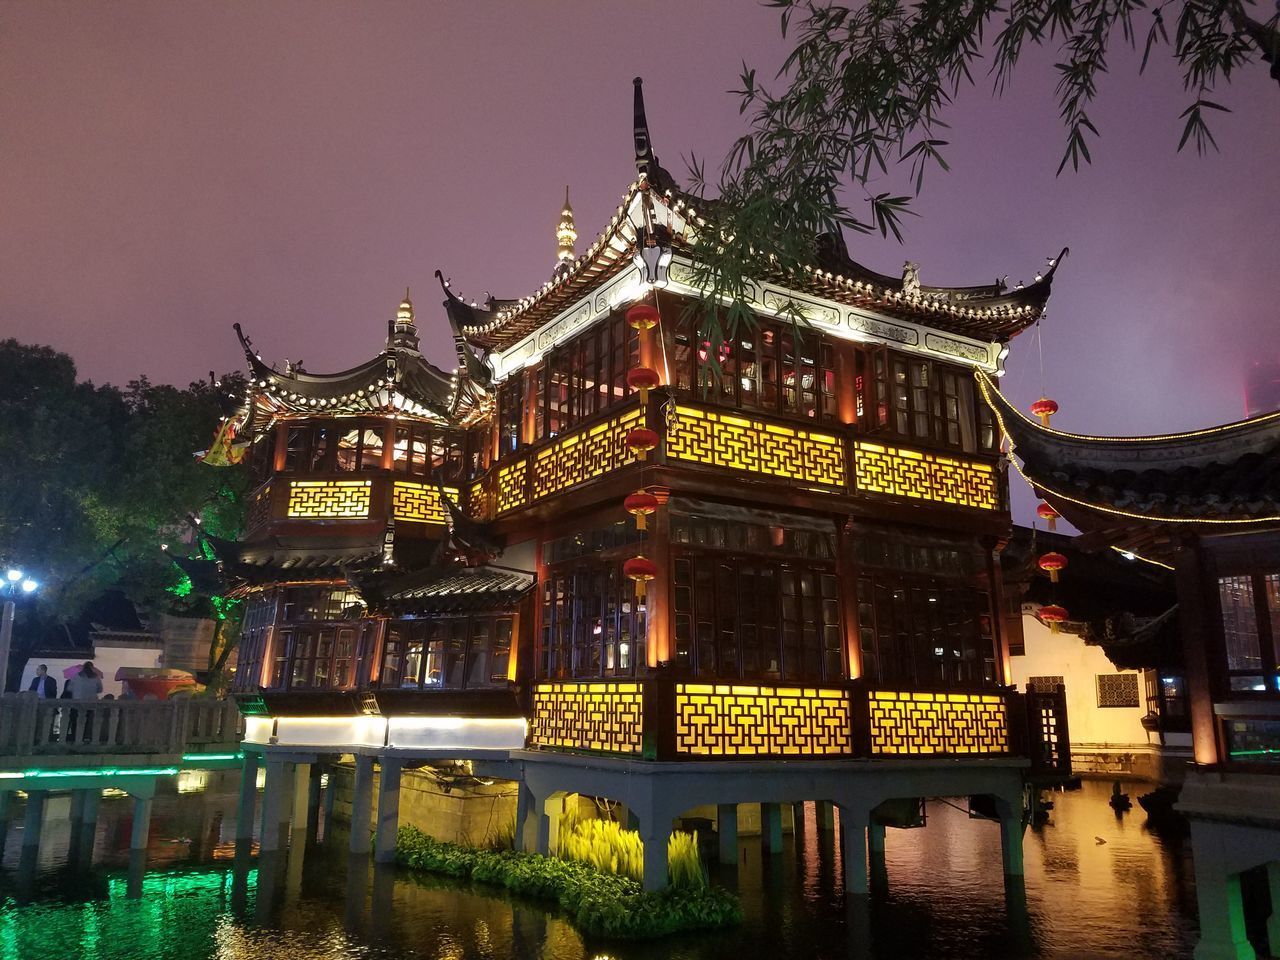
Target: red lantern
{"type": "Point", "coordinates": [641, 440]}
{"type": "Point", "coordinates": [1044, 408]}
{"type": "Point", "coordinates": [641, 570]}
{"type": "Point", "coordinates": [1053, 562]}
{"type": "Point", "coordinates": [1046, 512]}
{"type": "Point", "coordinates": [640, 504]}
{"type": "Point", "coordinates": [643, 316]}
{"type": "Point", "coordinates": [643, 379]}
{"type": "Point", "coordinates": [1053, 615]}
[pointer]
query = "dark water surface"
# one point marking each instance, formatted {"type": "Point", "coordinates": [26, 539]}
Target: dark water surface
{"type": "Point", "coordinates": [1131, 896]}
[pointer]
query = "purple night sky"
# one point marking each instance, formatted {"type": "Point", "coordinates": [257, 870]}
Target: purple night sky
{"type": "Point", "coordinates": [172, 168]}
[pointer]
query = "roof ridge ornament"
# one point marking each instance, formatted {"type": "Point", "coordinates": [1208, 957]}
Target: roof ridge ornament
{"type": "Point", "coordinates": [566, 237]}
{"type": "Point", "coordinates": [403, 332]}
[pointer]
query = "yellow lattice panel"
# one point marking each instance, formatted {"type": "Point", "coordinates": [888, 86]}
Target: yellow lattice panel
{"type": "Point", "coordinates": [912, 723]}
{"type": "Point", "coordinates": [584, 455]}
{"type": "Point", "coordinates": [420, 502]}
{"type": "Point", "coordinates": [511, 485]}
{"type": "Point", "coordinates": [329, 499]}
{"type": "Point", "coordinates": [588, 716]}
{"type": "Point", "coordinates": [730, 720]}
{"type": "Point", "coordinates": [478, 502]}
{"type": "Point", "coordinates": [756, 446]}
{"type": "Point", "coordinates": [900, 472]}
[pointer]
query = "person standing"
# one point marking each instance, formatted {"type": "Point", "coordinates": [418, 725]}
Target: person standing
{"type": "Point", "coordinates": [86, 685]}
{"type": "Point", "coordinates": [45, 687]}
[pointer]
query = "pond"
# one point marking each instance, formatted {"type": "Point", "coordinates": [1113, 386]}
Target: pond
{"type": "Point", "coordinates": [1097, 885]}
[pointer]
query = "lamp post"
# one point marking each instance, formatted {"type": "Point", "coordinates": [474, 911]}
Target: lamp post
{"type": "Point", "coordinates": [13, 584]}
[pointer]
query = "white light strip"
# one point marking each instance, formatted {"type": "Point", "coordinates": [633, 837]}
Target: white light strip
{"type": "Point", "coordinates": [422, 733]}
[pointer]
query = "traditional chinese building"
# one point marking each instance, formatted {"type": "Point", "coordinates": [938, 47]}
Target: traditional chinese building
{"type": "Point", "coordinates": [608, 556]}
{"type": "Point", "coordinates": [1205, 503]}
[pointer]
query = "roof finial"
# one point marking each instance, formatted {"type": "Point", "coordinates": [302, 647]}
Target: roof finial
{"type": "Point", "coordinates": [403, 333]}
{"type": "Point", "coordinates": [645, 160]}
{"type": "Point", "coordinates": [566, 236]}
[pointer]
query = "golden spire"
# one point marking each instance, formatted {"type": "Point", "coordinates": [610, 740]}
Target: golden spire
{"type": "Point", "coordinates": [405, 313]}
{"type": "Point", "coordinates": [566, 236]}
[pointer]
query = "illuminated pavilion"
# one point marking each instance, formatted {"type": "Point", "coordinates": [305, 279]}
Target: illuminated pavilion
{"type": "Point", "coordinates": [585, 562]}
{"type": "Point", "coordinates": [1205, 504]}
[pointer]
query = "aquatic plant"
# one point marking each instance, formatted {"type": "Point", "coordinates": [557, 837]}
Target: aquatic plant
{"type": "Point", "coordinates": [605, 845]}
{"type": "Point", "coordinates": [599, 904]}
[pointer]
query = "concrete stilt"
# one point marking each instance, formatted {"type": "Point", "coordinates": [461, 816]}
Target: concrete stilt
{"type": "Point", "coordinates": [330, 792]}
{"type": "Point", "coordinates": [6, 799]}
{"type": "Point", "coordinates": [301, 783]}
{"type": "Point", "coordinates": [549, 825]}
{"type": "Point", "coordinates": [88, 832]}
{"type": "Point", "coordinates": [1221, 907]}
{"type": "Point", "coordinates": [525, 806]}
{"type": "Point", "coordinates": [33, 819]}
{"type": "Point", "coordinates": [825, 813]}
{"type": "Point", "coordinates": [362, 804]}
{"type": "Point", "coordinates": [273, 805]}
{"type": "Point", "coordinates": [312, 821]}
{"type": "Point", "coordinates": [1011, 828]}
{"type": "Point", "coordinates": [1273, 922]}
{"type": "Point", "coordinates": [629, 819]}
{"type": "Point", "coordinates": [853, 834]}
{"type": "Point", "coordinates": [655, 834]}
{"type": "Point", "coordinates": [384, 850]}
{"type": "Point", "coordinates": [727, 831]}
{"type": "Point", "coordinates": [248, 796]}
{"type": "Point", "coordinates": [141, 832]}
{"type": "Point", "coordinates": [771, 827]}
{"type": "Point", "coordinates": [875, 856]}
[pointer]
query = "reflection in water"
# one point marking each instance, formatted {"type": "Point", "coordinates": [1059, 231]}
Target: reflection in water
{"type": "Point", "coordinates": [1129, 895]}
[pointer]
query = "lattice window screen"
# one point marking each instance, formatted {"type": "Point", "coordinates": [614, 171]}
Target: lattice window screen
{"type": "Point", "coordinates": [1118, 690]}
{"type": "Point", "coordinates": [1044, 684]}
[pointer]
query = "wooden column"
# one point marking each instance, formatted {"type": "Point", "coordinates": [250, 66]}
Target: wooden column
{"type": "Point", "coordinates": [847, 587]}
{"type": "Point", "coordinates": [1199, 648]}
{"type": "Point", "coordinates": [658, 613]}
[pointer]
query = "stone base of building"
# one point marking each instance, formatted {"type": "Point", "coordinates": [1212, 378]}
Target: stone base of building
{"type": "Point", "coordinates": [1151, 762]}
{"type": "Point", "coordinates": [463, 810]}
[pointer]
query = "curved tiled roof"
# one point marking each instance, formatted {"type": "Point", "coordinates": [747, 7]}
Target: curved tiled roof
{"type": "Point", "coordinates": [1224, 474]}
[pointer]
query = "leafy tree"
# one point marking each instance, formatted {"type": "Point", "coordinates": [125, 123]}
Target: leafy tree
{"type": "Point", "coordinates": [93, 479]}
{"type": "Point", "coordinates": [865, 88]}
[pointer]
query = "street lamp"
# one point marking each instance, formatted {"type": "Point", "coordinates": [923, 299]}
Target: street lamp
{"type": "Point", "coordinates": [14, 583]}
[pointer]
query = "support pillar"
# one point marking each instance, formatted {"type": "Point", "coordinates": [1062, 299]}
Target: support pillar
{"type": "Point", "coordinates": [1221, 907]}
{"type": "Point", "coordinates": [273, 801]}
{"type": "Point", "coordinates": [301, 794]}
{"type": "Point", "coordinates": [771, 827]}
{"type": "Point", "coordinates": [727, 831]}
{"type": "Point", "coordinates": [1273, 923]}
{"type": "Point", "coordinates": [526, 804]}
{"type": "Point", "coordinates": [6, 799]}
{"type": "Point", "coordinates": [825, 814]}
{"type": "Point", "coordinates": [33, 819]}
{"type": "Point", "coordinates": [388, 810]}
{"type": "Point", "coordinates": [88, 828]}
{"type": "Point", "coordinates": [141, 832]}
{"type": "Point", "coordinates": [330, 792]}
{"type": "Point", "coordinates": [361, 804]}
{"type": "Point", "coordinates": [312, 821]}
{"type": "Point", "coordinates": [1011, 828]}
{"type": "Point", "coordinates": [853, 834]}
{"type": "Point", "coordinates": [549, 825]}
{"type": "Point", "coordinates": [248, 796]}
{"type": "Point", "coordinates": [875, 855]}
{"type": "Point", "coordinates": [655, 834]}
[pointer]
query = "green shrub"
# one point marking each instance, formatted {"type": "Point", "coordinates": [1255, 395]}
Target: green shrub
{"type": "Point", "coordinates": [600, 904]}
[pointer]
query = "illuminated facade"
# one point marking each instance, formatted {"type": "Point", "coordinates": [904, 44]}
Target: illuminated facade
{"type": "Point", "coordinates": [646, 546]}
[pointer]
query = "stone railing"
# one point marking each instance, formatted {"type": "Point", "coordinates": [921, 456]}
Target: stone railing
{"type": "Point", "coordinates": [34, 728]}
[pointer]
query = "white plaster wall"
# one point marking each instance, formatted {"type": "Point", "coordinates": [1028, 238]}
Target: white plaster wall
{"type": "Point", "coordinates": [1066, 655]}
{"type": "Point", "coordinates": [106, 659]}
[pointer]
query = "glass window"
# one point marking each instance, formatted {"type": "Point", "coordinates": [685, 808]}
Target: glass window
{"type": "Point", "coordinates": [297, 442]}
{"type": "Point", "coordinates": [371, 448]}
{"type": "Point", "coordinates": [1240, 623]}
{"type": "Point", "coordinates": [347, 454]}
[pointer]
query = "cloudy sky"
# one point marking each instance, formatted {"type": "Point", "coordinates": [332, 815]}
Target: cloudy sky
{"type": "Point", "coordinates": [169, 169]}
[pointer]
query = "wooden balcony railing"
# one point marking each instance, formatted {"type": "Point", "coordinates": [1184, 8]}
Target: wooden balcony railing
{"type": "Point", "coordinates": [670, 719]}
{"type": "Point", "coordinates": [32, 728]}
